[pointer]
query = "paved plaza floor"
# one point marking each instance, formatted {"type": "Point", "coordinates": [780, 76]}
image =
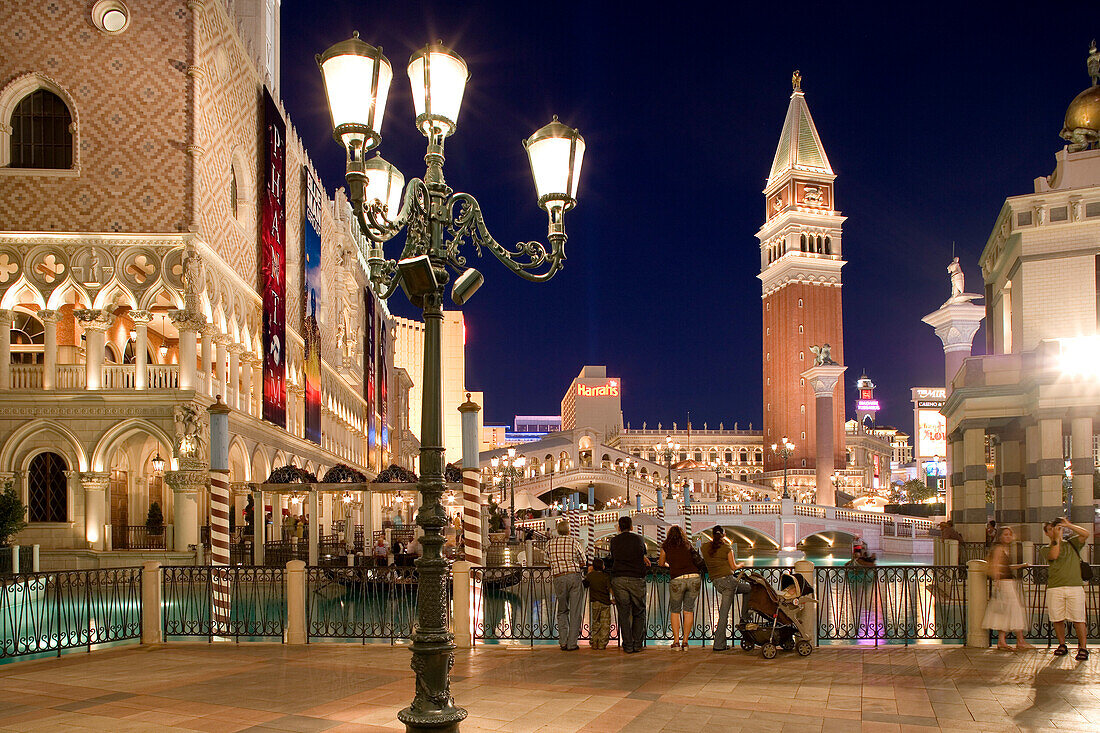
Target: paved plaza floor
{"type": "Point", "coordinates": [348, 687]}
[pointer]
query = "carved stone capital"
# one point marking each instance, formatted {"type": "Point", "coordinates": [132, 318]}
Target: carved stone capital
{"type": "Point", "coordinates": [94, 319]}
{"type": "Point", "coordinates": [187, 480]}
{"type": "Point", "coordinates": [6, 317]}
{"type": "Point", "coordinates": [250, 358]}
{"type": "Point", "coordinates": [95, 480]}
{"type": "Point", "coordinates": [823, 378]}
{"type": "Point", "coordinates": [140, 317]}
{"type": "Point", "coordinates": [187, 320]}
{"type": "Point", "coordinates": [235, 348]}
{"type": "Point", "coordinates": [222, 339]}
{"type": "Point", "coordinates": [49, 317]}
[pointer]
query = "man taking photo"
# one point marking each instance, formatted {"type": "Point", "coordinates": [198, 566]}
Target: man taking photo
{"type": "Point", "coordinates": [1065, 587]}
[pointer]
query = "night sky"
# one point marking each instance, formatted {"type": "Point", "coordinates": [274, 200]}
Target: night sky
{"type": "Point", "coordinates": [930, 117]}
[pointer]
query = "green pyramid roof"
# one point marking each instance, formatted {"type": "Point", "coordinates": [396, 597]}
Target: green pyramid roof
{"type": "Point", "coordinates": [800, 146]}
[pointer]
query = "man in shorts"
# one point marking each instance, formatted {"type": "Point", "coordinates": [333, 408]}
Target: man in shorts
{"type": "Point", "coordinates": [1065, 588]}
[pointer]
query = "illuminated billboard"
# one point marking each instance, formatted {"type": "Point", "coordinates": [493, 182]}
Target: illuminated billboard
{"type": "Point", "coordinates": [931, 433]}
{"type": "Point", "coordinates": [867, 405]}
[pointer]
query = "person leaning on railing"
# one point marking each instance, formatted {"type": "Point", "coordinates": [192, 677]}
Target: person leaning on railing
{"type": "Point", "coordinates": [629, 566]}
{"type": "Point", "coordinates": [683, 588]}
{"type": "Point", "coordinates": [721, 563]}
{"type": "Point", "coordinates": [567, 566]}
{"type": "Point", "coordinates": [1065, 586]}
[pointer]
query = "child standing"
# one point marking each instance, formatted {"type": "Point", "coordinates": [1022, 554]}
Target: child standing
{"type": "Point", "coordinates": [599, 603]}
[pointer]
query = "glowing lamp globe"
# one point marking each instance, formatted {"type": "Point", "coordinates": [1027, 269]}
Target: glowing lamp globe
{"type": "Point", "coordinates": [384, 184]}
{"type": "Point", "coordinates": [556, 152]}
{"type": "Point", "coordinates": [357, 84]}
{"type": "Point", "coordinates": [438, 77]}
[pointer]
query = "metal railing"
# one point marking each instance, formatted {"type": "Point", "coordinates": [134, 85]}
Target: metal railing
{"type": "Point", "coordinates": [257, 602]}
{"type": "Point", "coordinates": [7, 560]}
{"type": "Point", "coordinates": [972, 551]}
{"type": "Point", "coordinates": [1033, 588]}
{"type": "Point", "coordinates": [136, 537]}
{"type": "Point", "coordinates": [891, 603]}
{"type": "Point", "coordinates": [362, 602]}
{"type": "Point", "coordinates": [51, 612]}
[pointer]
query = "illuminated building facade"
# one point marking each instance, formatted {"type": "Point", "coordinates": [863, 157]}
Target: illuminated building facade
{"type": "Point", "coordinates": [593, 400]}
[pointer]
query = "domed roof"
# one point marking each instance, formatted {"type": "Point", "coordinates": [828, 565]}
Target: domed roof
{"type": "Point", "coordinates": [1084, 110]}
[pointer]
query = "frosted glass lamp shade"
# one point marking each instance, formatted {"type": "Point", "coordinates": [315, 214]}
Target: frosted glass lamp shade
{"type": "Point", "coordinates": [385, 184]}
{"type": "Point", "coordinates": [438, 77]}
{"type": "Point", "coordinates": [556, 152]}
{"type": "Point", "coordinates": [357, 83]}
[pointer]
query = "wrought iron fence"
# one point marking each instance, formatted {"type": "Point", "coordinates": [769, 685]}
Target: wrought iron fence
{"type": "Point", "coordinates": [883, 604]}
{"type": "Point", "coordinates": [972, 551]}
{"type": "Point", "coordinates": [280, 552]}
{"type": "Point", "coordinates": [51, 612]}
{"type": "Point", "coordinates": [257, 601]}
{"type": "Point", "coordinates": [7, 558]}
{"type": "Point", "coordinates": [137, 537]}
{"type": "Point", "coordinates": [1033, 589]}
{"type": "Point", "coordinates": [362, 602]}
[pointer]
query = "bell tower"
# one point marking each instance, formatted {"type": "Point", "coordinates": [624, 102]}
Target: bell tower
{"type": "Point", "coordinates": [800, 260]}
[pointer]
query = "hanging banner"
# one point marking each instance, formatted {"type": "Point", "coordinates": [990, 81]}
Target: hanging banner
{"type": "Point", "coordinates": [273, 263]}
{"type": "Point", "coordinates": [311, 331]}
{"type": "Point", "coordinates": [370, 349]}
{"type": "Point", "coordinates": [383, 388]}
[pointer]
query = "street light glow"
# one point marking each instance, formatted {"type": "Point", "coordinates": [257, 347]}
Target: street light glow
{"type": "Point", "coordinates": [1080, 356]}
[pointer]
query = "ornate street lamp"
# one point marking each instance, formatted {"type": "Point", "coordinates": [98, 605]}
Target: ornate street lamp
{"type": "Point", "coordinates": [630, 468]}
{"type": "Point", "coordinates": [158, 463]}
{"type": "Point", "coordinates": [784, 449]}
{"type": "Point", "coordinates": [508, 469]}
{"type": "Point", "coordinates": [667, 450]}
{"type": "Point", "coordinates": [437, 222]}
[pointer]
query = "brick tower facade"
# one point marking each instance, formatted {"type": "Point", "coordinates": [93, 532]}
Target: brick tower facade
{"type": "Point", "coordinates": [800, 262]}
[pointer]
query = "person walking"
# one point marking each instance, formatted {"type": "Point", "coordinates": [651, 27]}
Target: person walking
{"type": "Point", "coordinates": [683, 588]}
{"type": "Point", "coordinates": [990, 533]}
{"type": "Point", "coordinates": [1005, 611]}
{"type": "Point", "coordinates": [629, 566]}
{"type": "Point", "coordinates": [1065, 586]}
{"type": "Point", "coordinates": [599, 604]}
{"type": "Point", "coordinates": [721, 563]}
{"type": "Point", "coordinates": [567, 565]}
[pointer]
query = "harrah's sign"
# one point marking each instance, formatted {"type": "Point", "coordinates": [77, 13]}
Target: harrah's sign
{"type": "Point", "coordinates": [611, 389]}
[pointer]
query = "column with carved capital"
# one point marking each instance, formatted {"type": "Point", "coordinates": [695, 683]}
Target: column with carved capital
{"type": "Point", "coordinates": [141, 347]}
{"type": "Point", "coordinates": [206, 358]}
{"type": "Point", "coordinates": [220, 383]}
{"type": "Point", "coordinates": [233, 376]}
{"type": "Point", "coordinates": [186, 484]}
{"type": "Point", "coordinates": [95, 485]}
{"type": "Point", "coordinates": [956, 322]}
{"type": "Point", "coordinates": [49, 347]}
{"type": "Point", "coordinates": [188, 323]}
{"type": "Point", "coordinates": [244, 401]}
{"type": "Point", "coordinates": [5, 349]}
{"type": "Point", "coordinates": [823, 378]}
{"type": "Point", "coordinates": [95, 322]}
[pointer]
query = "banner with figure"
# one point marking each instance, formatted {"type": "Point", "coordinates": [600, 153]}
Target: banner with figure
{"type": "Point", "coordinates": [273, 263]}
{"type": "Point", "coordinates": [311, 329]}
{"type": "Point", "coordinates": [369, 350]}
{"type": "Point", "coordinates": [383, 391]}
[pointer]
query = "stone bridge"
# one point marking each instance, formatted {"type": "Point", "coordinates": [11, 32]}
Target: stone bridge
{"type": "Point", "coordinates": [609, 483]}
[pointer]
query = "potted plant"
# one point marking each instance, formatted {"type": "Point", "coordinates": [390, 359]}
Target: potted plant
{"type": "Point", "coordinates": [154, 521]}
{"type": "Point", "coordinates": [12, 515]}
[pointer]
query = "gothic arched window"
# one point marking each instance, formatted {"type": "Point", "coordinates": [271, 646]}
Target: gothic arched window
{"type": "Point", "coordinates": [41, 135]}
{"type": "Point", "coordinates": [27, 335]}
{"type": "Point", "coordinates": [47, 492]}
{"type": "Point", "coordinates": [828, 246]}
{"type": "Point", "coordinates": [802, 243]}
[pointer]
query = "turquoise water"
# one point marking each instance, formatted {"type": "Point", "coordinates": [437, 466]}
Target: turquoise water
{"type": "Point", "coordinates": [772, 559]}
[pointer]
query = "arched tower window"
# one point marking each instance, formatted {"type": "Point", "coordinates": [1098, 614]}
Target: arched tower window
{"type": "Point", "coordinates": [828, 246]}
{"type": "Point", "coordinates": [47, 493]}
{"type": "Point", "coordinates": [802, 242]}
{"type": "Point", "coordinates": [41, 134]}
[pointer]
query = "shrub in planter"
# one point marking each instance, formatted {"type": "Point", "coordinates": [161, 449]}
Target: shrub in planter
{"type": "Point", "coordinates": [154, 521]}
{"type": "Point", "coordinates": [12, 515]}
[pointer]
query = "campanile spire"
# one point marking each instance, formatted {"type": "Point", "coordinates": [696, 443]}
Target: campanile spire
{"type": "Point", "coordinates": [800, 262]}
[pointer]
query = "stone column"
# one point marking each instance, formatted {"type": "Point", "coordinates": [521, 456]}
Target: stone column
{"type": "Point", "coordinates": [221, 381]}
{"type": "Point", "coordinates": [1081, 463]}
{"type": "Point", "coordinates": [956, 323]}
{"type": "Point", "coordinates": [1010, 508]}
{"type": "Point", "coordinates": [189, 323]}
{"type": "Point", "coordinates": [6, 317]}
{"type": "Point", "coordinates": [222, 600]}
{"type": "Point", "coordinates": [95, 498]}
{"type": "Point", "coordinates": [969, 512]}
{"type": "Point", "coordinates": [141, 347]}
{"type": "Point", "coordinates": [1033, 530]}
{"type": "Point", "coordinates": [314, 527]}
{"type": "Point", "coordinates": [206, 357]}
{"type": "Point", "coordinates": [823, 378]}
{"type": "Point", "coordinates": [245, 402]}
{"type": "Point", "coordinates": [471, 484]}
{"type": "Point", "coordinates": [186, 484]}
{"type": "Point", "coordinates": [233, 376]}
{"type": "Point", "coordinates": [1051, 469]}
{"type": "Point", "coordinates": [49, 348]}
{"type": "Point", "coordinates": [151, 599]}
{"type": "Point", "coordinates": [95, 323]}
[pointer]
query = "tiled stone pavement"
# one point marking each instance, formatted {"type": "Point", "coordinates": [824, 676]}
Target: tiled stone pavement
{"type": "Point", "coordinates": [348, 687]}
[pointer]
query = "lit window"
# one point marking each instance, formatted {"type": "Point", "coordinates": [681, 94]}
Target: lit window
{"type": "Point", "coordinates": [800, 302]}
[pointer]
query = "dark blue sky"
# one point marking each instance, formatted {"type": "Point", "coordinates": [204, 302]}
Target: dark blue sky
{"type": "Point", "coordinates": [930, 115]}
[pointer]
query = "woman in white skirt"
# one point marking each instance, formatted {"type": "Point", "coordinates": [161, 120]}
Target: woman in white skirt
{"type": "Point", "coordinates": [1005, 611]}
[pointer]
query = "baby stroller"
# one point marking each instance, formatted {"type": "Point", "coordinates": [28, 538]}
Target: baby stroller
{"type": "Point", "coordinates": [782, 623]}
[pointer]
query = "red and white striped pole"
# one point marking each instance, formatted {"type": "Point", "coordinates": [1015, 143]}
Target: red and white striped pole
{"type": "Point", "coordinates": [471, 484]}
{"type": "Point", "coordinates": [222, 599]}
{"type": "Point", "coordinates": [660, 516]}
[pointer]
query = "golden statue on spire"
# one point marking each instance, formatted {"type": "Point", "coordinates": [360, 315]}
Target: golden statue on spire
{"type": "Point", "coordinates": [1082, 125]}
{"type": "Point", "coordinates": [796, 80]}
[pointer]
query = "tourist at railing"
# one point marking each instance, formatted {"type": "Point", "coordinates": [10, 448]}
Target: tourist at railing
{"type": "Point", "coordinates": [599, 604]}
{"type": "Point", "coordinates": [948, 531]}
{"type": "Point", "coordinates": [721, 564]}
{"type": "Point", "coordinates": [629, 566]}
{"type": "Point", "coordinates": [683, 589]}
{"type": "Point", "coordinates": [990, 533]}
{"type": "Point", "coordinates": [1065, 585]}
{"type": "Point", "coordinates": [567, 566]}
{"type": "Point", "coordinates": [1005, 611]}
{"type": "Point", "coordinates": [381, 554]}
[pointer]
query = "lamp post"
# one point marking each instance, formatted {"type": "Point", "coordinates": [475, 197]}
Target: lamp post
{"type": "Point", "coordinates": [717, 485]}
{"type": "Point", "coordinates": [667, 450]}
{"type": "Point", "coordinates": [784, 449]}
{"type": "Point", "coordinates": [629, 468]}
{"type": "Point", "coordinates": [438, 222]}
{"type": "Point", "coordinates": [508, 469]}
